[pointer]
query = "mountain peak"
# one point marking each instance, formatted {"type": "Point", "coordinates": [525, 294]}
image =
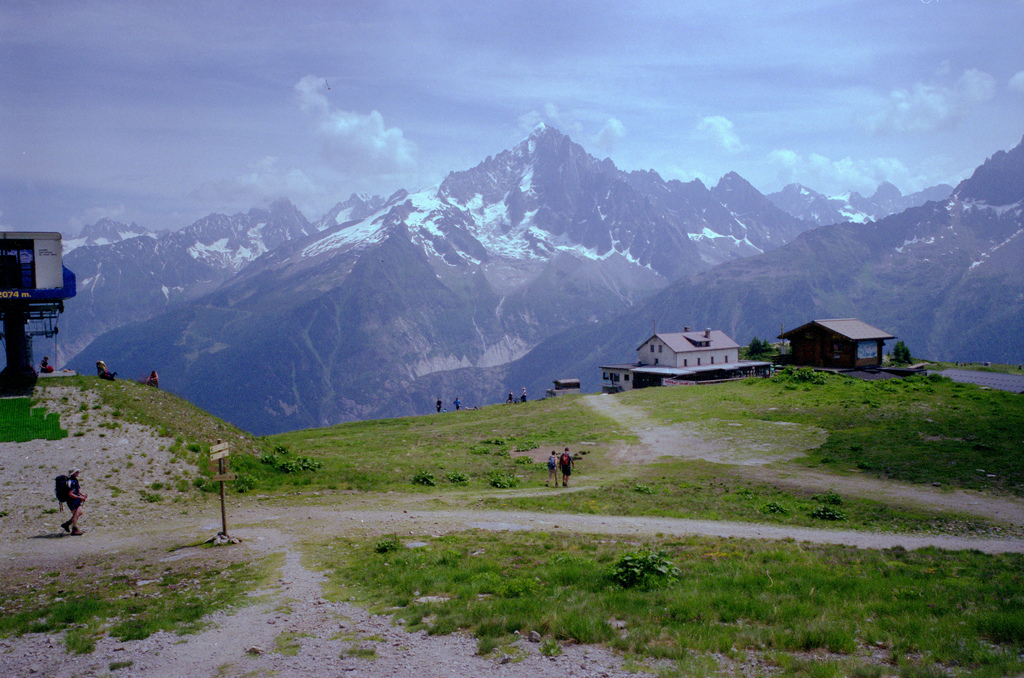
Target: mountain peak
{"type": "Point", "coordinates": [999, 181]}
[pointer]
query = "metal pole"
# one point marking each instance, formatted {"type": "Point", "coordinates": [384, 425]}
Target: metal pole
{"type": "Point", "coordinates": [223, 505]}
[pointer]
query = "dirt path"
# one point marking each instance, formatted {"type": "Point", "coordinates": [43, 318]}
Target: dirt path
{"type": "Point", "coordinates": [724, 446]}
{"type": "Point", "coordinates": [337, 638]}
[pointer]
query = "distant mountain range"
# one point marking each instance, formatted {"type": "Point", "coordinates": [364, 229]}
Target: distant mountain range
{"type": "Point", "coordinates": [540, 262]}
{"type": "Point", "coordinates": [945, 277]}
{"type": "Point", "coordinates": [383, 305]}
{"type": "Point", "coordinates": [803, 203]}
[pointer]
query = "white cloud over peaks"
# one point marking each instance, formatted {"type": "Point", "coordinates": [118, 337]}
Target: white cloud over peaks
{"type": "Point", "coordinates": [923, 108]}
{"type": "Point", "coordinates": [829, 176]}
{"type": "Point", "coordinates": [261, 181]}
{"type": "Point", "coordinates": [720, 130]}
{"type": "Point", "coordinates": [609, 135]}
{"type": "Point", "coordinates": [1017, 82]}
{"type": "Point", "coordinates": [355, 143]}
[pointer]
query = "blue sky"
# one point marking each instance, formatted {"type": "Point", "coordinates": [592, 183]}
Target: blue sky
{"type": "Point", "coordinates": [161, 113]}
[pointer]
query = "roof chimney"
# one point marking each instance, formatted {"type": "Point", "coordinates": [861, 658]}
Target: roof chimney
{"type": "Point", "coordinates": [707, 332]}
{"type": "Point", "coordinates": [686, 329]}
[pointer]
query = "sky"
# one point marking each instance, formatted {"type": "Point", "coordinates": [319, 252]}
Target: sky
{"type": "Point", "coordinates": [161, 113]}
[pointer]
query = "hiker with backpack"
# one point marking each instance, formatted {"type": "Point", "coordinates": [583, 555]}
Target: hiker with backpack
{"type": "Point", "coordinates": [552, 469]}
{"type": "Point", "coordinates": [565, 464]}
{"type": "Point", "coordinates": [69, 492]}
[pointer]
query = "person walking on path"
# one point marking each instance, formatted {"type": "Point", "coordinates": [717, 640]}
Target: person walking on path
{"type": "Point", "coordinates": [566, 464]}
{"type": "Point", "coordinates": [458, 404]}
{"type": "Point", "coordinates": [75, 500]}
{"type": "Point", "coordinates": [439, 404]}
{"type": "Point", "coordinates": [552, 469]}
{"type": "Point", "coordinates": [510, 398]}
{"type": "Point", "coordinates": [522, 398]}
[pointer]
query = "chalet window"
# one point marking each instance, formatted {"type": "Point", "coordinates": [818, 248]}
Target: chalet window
{"type": "Point", "coordinates": [652, 348]}
{"type": "Point", "coordinates": [659, 348]}
{"type": "Point", "coordinates": [698, 361]}
{"type": "Point", "coordinates": [685, 361]}
{"type": "Point", "coordinates": [625, 377]}
{"type": "Point", "coordinates": [604, 375]}
{"type": "Point", "coordinates": [712, 360]}
{"type": "Point", "coordinates": [655, 361]}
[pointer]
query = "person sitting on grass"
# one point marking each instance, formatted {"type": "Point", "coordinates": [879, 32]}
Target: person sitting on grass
{"type": "Point", "coordinates": [153, 380]}
{"type": "Point", "coordinates": [45, 367]}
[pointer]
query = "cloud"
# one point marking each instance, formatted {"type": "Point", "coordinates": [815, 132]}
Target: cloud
{"type": "Point", "coordinates": [552, 115]}
{"type": "Point", "coordinates": [1017, 82]}
{"type": "Point", "coordinates": [355, 143]}
{"type": "Point", "coordinates": [609, 135]}
{"type": "Point", "coordinates": [90, 215]}
{"type": "Point", "coordinates": [720, 130]}
{"type": "Point", "coordinates": [823, 174]}
{"type": "Point", "coordinates": [260, 182]}
{"type": "Point", "coordinates": [924, 108]}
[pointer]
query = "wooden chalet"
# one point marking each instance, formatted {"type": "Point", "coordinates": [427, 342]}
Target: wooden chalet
{"type": "Point", "coordinates": [837, 343]}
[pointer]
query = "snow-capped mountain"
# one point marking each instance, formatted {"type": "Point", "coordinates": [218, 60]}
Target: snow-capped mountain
{"type": "Point", "coordinates": [104, 232]}
{"type": "Point", "coordinates": [809, 205]}
{"type": "Point", "coordinates": [138, 277]}
{"type": "Point", "coordinates": [547, 197]}
{"type": "Point", "coordinates": [945, 277]}
{"type": "Point", "coordinates": [386, 304]}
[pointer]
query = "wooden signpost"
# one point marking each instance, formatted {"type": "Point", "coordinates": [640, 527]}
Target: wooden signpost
{"type": "Point", "coordinates": [219, 464]}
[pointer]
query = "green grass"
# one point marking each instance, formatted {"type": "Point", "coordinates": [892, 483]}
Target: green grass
{"type": "Point", "coordinates": [387, 454]}
{"type": "Point", "coordinates": [702, 491]}
{"type": "Point", "coordinates": [920, 429]}
{"type": "Point", "coordinates": [20, 422]}
{"type": "Point", "coordinates": [86, 605]}
{"type": "Point", "coordinates": [919, 609]}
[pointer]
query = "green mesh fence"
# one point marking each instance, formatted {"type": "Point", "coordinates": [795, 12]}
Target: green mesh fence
{"type": "Point", "coordinates": [20, 422]}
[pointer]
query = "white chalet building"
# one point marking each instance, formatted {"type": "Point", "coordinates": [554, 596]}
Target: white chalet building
{"type": "Point", "coordinates": [670, 358]}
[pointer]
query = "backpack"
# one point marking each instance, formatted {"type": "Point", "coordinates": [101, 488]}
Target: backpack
{"type": "Point", "coordinates": [61, 490]}
{"type": "Point", "coordinates": [566, 459]}
{"type": "Point", "coordinates": [551, 462]}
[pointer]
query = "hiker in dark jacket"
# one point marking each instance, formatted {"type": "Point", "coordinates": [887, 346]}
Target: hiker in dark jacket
{"type": "Point", "coordinates": [75, 500]}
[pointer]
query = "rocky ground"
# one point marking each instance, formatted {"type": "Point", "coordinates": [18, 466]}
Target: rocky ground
{"type": "Point", "coordinates": [331, 638]}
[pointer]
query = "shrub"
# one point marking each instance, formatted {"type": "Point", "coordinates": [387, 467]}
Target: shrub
{"type": "Point", "coordinates": [245, 482]}
{"type": "Point", "coordinates": [388, 544]}
{"type": "Point", "coordinates": [502, 479]}
{"type": "Point", "coordinates": [644, 569]}
{"type": "Point", "coordinates": [424, 478]}
{"type": "Point", "coordinates": [830, 498]}
{"type": "Point", "coordinates": [642, 489]}
{"type": "Point", "coordinates": [774, 507]}
{"type": "Point", "coordinates": [456, 477]}
{"type": "Point", "coordinates": [828, 513]}
{"type": "Point", "coordinates": [524, 461]}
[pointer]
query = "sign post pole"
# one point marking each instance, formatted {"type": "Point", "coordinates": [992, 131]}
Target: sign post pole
{"type": "Point", "coordinates": [219, 453]}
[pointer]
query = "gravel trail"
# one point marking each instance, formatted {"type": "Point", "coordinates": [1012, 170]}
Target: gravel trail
{"type": "Point", "coordinates": [338, 638]}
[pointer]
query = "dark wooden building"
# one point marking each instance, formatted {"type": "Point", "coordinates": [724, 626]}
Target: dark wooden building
{"type": "Point", "coordinates": [842, 343]}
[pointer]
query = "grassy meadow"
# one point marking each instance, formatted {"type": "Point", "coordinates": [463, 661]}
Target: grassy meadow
{"type": "Point", "coordinates": [691, 606]}
{"type": "Point", "coordinates": [700, 605]}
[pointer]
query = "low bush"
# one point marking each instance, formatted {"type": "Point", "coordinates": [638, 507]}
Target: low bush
{"type": "Point", "coordinates": [644, 569]}
{"type": "Point", "coordinates": [502, 479]}
{"type": "Point", "coordinates": [423, 477]}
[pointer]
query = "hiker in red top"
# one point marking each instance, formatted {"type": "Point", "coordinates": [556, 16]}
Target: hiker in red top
{"type": "Point", "coordinates": [566, 464]}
